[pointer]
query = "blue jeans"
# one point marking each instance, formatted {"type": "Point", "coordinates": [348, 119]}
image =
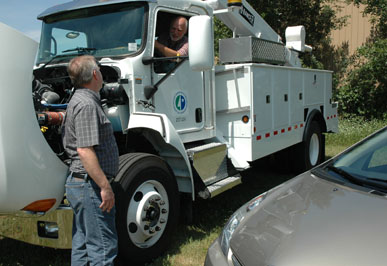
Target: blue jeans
{"type": "Point", "coordinates": [94, 232]}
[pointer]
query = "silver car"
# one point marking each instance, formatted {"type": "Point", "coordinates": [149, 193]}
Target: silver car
{"type": "Point", "coordinates": [335, 214]}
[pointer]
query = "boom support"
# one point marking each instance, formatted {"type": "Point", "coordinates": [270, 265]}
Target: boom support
{"type": "Point", "coordinates": [244, 20]}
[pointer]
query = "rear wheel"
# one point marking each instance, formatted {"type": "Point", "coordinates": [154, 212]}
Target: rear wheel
{"type": "Point", "coordinates": [310, 152]}
{"type": "Point", "coordinates": [147, 207]}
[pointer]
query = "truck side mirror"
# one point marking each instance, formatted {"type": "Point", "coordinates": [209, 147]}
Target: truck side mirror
{"type": "Point", "coordinates": [200, 43]}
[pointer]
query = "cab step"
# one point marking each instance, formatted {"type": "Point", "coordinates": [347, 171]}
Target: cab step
{"type": "Point", "coordinates": [220, 186]}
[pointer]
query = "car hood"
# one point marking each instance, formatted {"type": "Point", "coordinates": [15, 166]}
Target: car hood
{"type": "Point", "coordinates": [311, 221]}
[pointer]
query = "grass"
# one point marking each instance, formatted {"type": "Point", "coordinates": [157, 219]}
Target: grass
{"type": "Point", "coordinates": [351, 130]}
{"type": "Point", "coordinates": [191, 241]}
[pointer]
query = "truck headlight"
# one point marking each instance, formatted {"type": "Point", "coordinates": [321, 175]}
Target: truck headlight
{"type": "Point", "coordinates": [236, 219]}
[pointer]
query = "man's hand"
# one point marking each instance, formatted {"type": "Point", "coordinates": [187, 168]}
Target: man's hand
{"type": "Point", "coordinates": [164, 50]}
{"type": "Point", "coordinates": [90, 163]}
{"type": "Point", "coordinates": [107, 196]}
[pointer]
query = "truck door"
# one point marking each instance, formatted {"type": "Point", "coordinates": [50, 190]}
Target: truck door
{"type": "Point", "coordinates": [32, 177]}
{"type": "Point", "coordinates": [181, 95]}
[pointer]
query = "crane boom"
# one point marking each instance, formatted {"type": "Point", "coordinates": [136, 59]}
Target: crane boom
{"type": "Point", "coordinates": [244, 21]}
{"type": "Point", "coordinates": [251, 29]}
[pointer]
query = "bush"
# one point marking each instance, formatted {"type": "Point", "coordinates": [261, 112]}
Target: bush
{"type": "Point", "coordinates": [365, 86]}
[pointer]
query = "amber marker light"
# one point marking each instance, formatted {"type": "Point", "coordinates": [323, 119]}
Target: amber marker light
{"type": "Point", "coordinates": [234, 2]}
{"type": "Point", "coordinates": [245, 119]}
{"type": "Point", "coordinates": [40, 205]}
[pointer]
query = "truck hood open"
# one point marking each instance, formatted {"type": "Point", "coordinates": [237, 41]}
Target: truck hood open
{"type": "Point", "coordinates": [29, 170]}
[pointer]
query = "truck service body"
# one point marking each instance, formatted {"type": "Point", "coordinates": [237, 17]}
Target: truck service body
{"type": "Point", "coordinates": [183, 132]}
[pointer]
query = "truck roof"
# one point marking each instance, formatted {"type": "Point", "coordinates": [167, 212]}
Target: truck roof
{"type": "Point", "coordinates": [78, 4]}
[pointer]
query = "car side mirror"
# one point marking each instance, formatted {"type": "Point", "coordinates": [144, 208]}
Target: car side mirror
{"type": "Point", "coordinates": [200, 43]}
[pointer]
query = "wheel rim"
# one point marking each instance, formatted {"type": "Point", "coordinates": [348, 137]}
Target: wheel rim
{"type": "Point", "coordinates": [314, 149]}
{"type": "Point", "coordinates": [147, 214]}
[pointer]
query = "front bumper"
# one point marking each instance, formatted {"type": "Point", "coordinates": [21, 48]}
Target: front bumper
{"type": "Point", "coordinates": [50, 230]}
{"type": "Point", "coordinates": [215, 256]}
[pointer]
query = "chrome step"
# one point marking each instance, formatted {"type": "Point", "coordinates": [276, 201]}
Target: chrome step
{"type": "Point", "coordinates": [220, 186]}
{"type": "Point", "coordinates": [210, 162]}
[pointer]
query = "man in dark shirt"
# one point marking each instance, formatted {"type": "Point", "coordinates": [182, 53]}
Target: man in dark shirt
{"type": "Point", "coordinates": [90, 144]}
{"type": "Point", "coordinates": [175, 43]}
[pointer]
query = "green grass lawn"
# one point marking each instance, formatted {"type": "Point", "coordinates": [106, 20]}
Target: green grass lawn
{"type": "Point", "coordinates": [190, 242]}
{"type": "Point", "coordinates": [350, 132]}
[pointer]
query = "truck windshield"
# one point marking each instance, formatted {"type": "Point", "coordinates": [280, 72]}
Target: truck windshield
{"type": "Point", "coordinates": [103, 31]}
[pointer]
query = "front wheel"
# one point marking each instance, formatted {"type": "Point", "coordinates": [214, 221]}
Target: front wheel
{"type": "Point", "coordinates": [147, 207]}
{"type": "Point", "coordinates": [310, 152]}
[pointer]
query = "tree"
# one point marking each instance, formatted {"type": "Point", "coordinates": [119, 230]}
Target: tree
{"type": "Point", "coordinates": [378, 11]}
{"type": "Point", "coordinates": [365, 84]}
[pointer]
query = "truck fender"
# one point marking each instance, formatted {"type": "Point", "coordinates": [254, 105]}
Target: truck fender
{"type": "Point", "coordinates": [30, 172]}
{"type": "Point", "coordinates": [315, 115]}
{"type": "Point", "coordinates": [158, 125]}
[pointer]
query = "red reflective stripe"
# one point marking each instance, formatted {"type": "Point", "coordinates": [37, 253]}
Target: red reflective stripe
{"type": "Point", "coordinates": [276, 132]}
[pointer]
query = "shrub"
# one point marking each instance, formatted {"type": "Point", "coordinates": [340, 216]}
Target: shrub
{"type": "Point", "coordinates": [365, 86]}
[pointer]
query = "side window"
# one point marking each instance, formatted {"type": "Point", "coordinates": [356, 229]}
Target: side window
{"type": "Point", "coordinates": [165, 31]}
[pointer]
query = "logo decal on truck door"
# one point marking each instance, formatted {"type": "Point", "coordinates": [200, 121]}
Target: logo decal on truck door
{"type": "Point", "coordinates": [180, 102]}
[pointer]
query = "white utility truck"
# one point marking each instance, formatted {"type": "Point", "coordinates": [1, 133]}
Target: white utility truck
{"type": "Point", "coordinates": [185, 127]}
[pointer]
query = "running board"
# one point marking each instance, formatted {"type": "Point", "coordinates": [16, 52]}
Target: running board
{"type": "Point", "coordinates": [220, 186]}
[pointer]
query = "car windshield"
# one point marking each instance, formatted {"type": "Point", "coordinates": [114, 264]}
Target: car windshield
{"type": "Point", "coordinates": [103, 31]}
{"type": "Point", "coordinates": [365, 163]}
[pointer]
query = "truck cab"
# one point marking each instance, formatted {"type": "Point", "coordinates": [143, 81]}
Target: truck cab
{"type": "Point", "coordinates": [120, 34]}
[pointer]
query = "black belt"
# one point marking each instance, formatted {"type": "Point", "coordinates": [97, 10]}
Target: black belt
{"type": "Point", "coordinates": [83, 176]}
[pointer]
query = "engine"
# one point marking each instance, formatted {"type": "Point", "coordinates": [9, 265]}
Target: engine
{"type": "Point", "coordinates": [52, 91]}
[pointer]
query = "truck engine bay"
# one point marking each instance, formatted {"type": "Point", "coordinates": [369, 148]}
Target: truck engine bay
{"type": "Point", "coordinates": [51, 92]}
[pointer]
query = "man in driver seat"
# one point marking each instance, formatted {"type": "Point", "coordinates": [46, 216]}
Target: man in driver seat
{"type": "Point", "coordinates": [176, 42]}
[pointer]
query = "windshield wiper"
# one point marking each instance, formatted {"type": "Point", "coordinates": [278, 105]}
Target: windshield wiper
{"type": "Point", "coordinates": [373, 182]}
{"type": "Point", "coordinates": [377, 179]}
{"type": "Point", "coordinates": [346, 175]}
{"type": "Point", "coordinates": [56, 57]}
{"type": "Point", "coordinates": [80, 50]}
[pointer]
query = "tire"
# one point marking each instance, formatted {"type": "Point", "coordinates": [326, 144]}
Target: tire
{"type": "Point", "coordinates": [147, 207]}
{"type": "Point", "coordinates": [310, 152]}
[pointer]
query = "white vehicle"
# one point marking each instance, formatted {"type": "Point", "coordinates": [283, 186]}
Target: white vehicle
{"type": "Point", "coordinates": [183, 133]}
